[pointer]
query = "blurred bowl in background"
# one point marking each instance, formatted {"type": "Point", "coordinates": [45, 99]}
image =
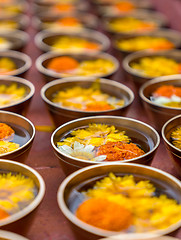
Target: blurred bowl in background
{"type": "Point", "coordinates": [158, 113]}
{"type": "Point", "coordinates": [21, 104]}
{"type": "Point", "coordinates": [142, 133]}
{"type": "Point", "coordinates": [74, 22]}
{"type": "Point", "coordinates": [24, 135]}
{"type": "Point", "coordinates": [50, 41]}
{"type": "Point", "coordinates": [6, 235]}
{"type": "Point", "coordinates": [138, 76]}
{"type": "Point", "coordinates": [19, 21]}
{"type": "Point", "coordinates": [99, 59]}
{"type": "Point", "coordinates": [20, 221]}
{"type": "Point", "coordinates": [171, 38]}
{"type": "Point", "coordinates": [69, 197]}
{"type": "Point", "coordinates": [13, 39]}
{"type": "Point", "coordinates": [14, 63]}
{"type": "Point", "coordinates": [175, 153]}
{"type": "Point", "coordinates": [61, 114]}
{"type": "Point", "coordinates": [140, 21]}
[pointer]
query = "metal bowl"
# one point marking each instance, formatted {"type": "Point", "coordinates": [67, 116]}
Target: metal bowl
{"type": "Point", "coordinates": [87, 21]}
{"type": "Point", "coordinates": [20, 106]}
{"type": "Point", "coordinates": [17, 39]}
{"type": "Point", "coordinates": [21, 221]}
{"type": "Point", "coordinates": [49, 75]}
{"type": "Point", "coordinates": [174, 152]}
{"type": "Point", "coordinates": [61, 114]}
{"type": "Point", "coordinates": [6, 235]}
{"type": "Point", "coordinates": [22, 61]}
{"type": "Point", "coordinates": [68, 195]}
{"type": "Point", "coordinates": [144, 133]}
{"type": "Point", "coordinates": [137, 77]}
{"type": "Point", "coordinates": [25, 131]}
{"type": "Point", "coordinates": [172, 35]}
{"type": "Point", "coordinates": [157, 18]}
{"type": "Point", "coordinates": [45, 39]}
{"type": "Point", "coordinates": [21, 20]}
{"type": "Point", "coordinates": [157, 113]}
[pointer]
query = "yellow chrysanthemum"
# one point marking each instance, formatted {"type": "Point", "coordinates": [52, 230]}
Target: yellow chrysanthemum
{"type": "Point", "coordinates": [7, 147]}
{"type": "Point", "coordinates": [16, 192]}
{"type": "Point", "coordinates": [176, 137]}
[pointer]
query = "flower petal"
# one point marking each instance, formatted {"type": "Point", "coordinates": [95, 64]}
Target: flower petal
{"type": "Point", "coordinates": [65, 149]}
{"type": "Point", "coordinates": [78, 146]}
{"type": "Point", "coordinates": [99, 158]}
{"type": "Point", "coordinates": [89, 148]}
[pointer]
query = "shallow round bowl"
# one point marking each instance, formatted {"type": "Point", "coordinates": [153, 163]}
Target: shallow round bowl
{"type": "Point", "coordinates": [174, 152]}
{"type": "Point", "coordinates": [136, 76]}
{"type": "Point", "coordinates": [20, 222]}
{"type": "Point", "coordinates": [22, 61]}
{"type": "Point", "coordinates": [61, 115]}
{"type": "Point", "coordinates": [21, 106]}
{"type": "Point", "coordinates": [169, 34]}
{"type": "Point", "coordinates": [6, 235]}
{"type": "Point", "coordinates": [45, 39]}
{"type": "Point", "coordinates": [157, 113]}
{"type": "Point", "coordinates": [69, 197]}
{"type": "Point", "coordinates": [21, 21]}
{"type": "Point", "coordinates": [145, 135]}
{"type": "Point", "coordinates": [44, 59]}
{"type": "Point", "coordinates": [25, 133]}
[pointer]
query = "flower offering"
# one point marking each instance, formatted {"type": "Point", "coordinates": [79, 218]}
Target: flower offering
{"type": "Point", "coordinates": [6, 65]}
{"type": "Point", "coordinates": [156, 66]}
{"type": "Point", "coordinates": [4, 43]}
{"type": "Point", "coordinates": [144, 43]}
{"type": "Point", "coordinates": [11, 94]}
{"type": "Point", "coordinates": [86, 99]}
{"type": "Point", "coordinates": [167, 95]}
{"type": "Point", "coordinates": [125, 203]}
{"type": "Point", "coordinates": [16, 192]}
{"type": "Point", "coordinates": [74, 45]}
{"type": "Point", "coordinates": [130, 25]}
{"type": "Point", "coordinates": [6, 137]}
{"type": "Point", "coordinates": [176, 137]}
{"type": "Point", "coordinates": [99, 142]}
{"type": "Point", "coordinates": [68, 66]}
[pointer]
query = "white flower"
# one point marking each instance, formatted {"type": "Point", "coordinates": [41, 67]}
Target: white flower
{"type": "Point", "coordinates": [164, 100]}
{"type": "Point", "coordinates": [81, 151]}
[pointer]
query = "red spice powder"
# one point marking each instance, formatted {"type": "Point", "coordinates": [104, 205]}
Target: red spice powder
{"type": "Point", "coordinates": [117, 151]}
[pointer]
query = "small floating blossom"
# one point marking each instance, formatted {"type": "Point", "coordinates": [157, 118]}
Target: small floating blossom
{"type": "Point", "coordinates": [81, 151]}
{"type": "Point", "coordinates": [16, 192]}
{"type": "Point", "coordinates": [141, 210]}
{"type": "Point", "coordinates": [167, 95]}
{"type": "Point", "coordinates": [6, 147]}
{"type": "Point", "coordinates": [176, 137]}
{"type": "Point", "coordinates": [5, 131]}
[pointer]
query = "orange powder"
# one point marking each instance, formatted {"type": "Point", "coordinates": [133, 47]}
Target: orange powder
{"type": "Point", "coordinates": [104, 214]}
{"type": "Point", "coordinates": [68, 21]}
{"type": "Point", "coordinates": [62, 64]}
{"type": "Point", "coordinates": [98, 106]}
{"type": "Point", "coordinates": [63, 7]}
{"type": "Point", "coordinates": [117, 151]}
{"type": "Point", "coordinates": [3, 214]}
{"type": "Point", "coordinates": [167, 91]}
{"type": "Point", "coordinates": [125, 6]}
{"type": "Point", "coordinates": [5, 131]}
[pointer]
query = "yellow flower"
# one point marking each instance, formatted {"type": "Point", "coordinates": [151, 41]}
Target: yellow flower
{"type": "Point", "coordinates": [8, 147]}
{"type": "Point", "coordinates": [16, 192]}
{"type": "Point", "coordinates": [176, 137]}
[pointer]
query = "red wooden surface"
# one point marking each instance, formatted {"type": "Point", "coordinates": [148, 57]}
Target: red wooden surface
{"type": "Point", "coordinates": [49, 222]}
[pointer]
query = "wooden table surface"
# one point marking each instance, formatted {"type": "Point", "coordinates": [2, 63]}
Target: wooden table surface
{"type": "Point", "coordinates": [49, 223]}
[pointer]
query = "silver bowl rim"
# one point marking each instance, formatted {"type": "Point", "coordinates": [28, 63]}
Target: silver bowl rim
{"type": "Point", "coordinates": [46, 56]}
{"type": "Point", "coordinates": [141, 54]}
{"type": "Point", "coordinates": [34, 203]}
{"type": "Point", "coordinates": [18, 55]}
{"type": "Point", "coordinates": [31, 136]}
{"type": "Point", "coordinates": [93, 34]}
{"type": "Point", "coordinates": [12, 236]}
{"type": "Point", "coordinates": [85, 79]}
{"type": "Point", "coordinates": [163, 132]}
{"type": "Point", "coordinates": [23, 81]}
{"type": "Point", "coordinates": [72, 218]}
{"type": "Point", "coordinates": [102, 117]}
{"type": "Point", "coordinates": [158, 80]}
